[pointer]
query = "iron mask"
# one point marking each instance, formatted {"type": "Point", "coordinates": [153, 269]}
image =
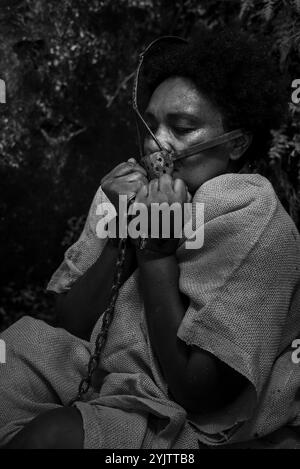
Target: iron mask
{"type": "Point", "coordinates": [162, 161]}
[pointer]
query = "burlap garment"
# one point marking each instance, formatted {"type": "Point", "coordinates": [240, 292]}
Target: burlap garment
{"type": "Point", "coordinates": [244, 292]}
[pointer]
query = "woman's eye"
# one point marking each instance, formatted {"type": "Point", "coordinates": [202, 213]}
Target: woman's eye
{"type": "Point", "coordinates": [183, 130]}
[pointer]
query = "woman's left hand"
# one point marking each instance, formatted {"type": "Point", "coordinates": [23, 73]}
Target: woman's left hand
{"type": "Point", "coordinates": [163, 190]}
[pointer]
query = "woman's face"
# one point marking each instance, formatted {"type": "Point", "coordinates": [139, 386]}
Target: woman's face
{"type": "Point", "coordinates": [180, 116]}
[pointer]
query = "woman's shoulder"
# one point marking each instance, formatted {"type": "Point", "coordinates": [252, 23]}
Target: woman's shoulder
{"type": "Point", "coordinates": [246, 200]}
{"type": "Point", "coordinates": [232, 192]}
{"type": "Point", "coordinates": [236, 188]}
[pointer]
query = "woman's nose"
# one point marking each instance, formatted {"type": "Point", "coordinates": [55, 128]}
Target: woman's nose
{"type": "Point", "coordinates": [162, 137]}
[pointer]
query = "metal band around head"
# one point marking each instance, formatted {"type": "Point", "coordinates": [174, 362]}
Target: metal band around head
{"type": "Point", "coordinates": [214, 142]}
{"type": "Point", "coordinates": [162, 39]}
{"type": "Point", "coordinates": [192, 150]}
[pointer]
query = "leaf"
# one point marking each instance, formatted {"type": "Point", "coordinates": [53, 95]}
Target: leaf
{"type": "Point", "coordinates": [268, 10]}
{"type": "Point", "coordinates": [246, 6]}
{"type": "Point", "coordinates": [297, 5]}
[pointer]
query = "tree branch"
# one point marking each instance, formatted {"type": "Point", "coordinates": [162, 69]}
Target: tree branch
{"type": "Point", "coordinates": [120, 87]}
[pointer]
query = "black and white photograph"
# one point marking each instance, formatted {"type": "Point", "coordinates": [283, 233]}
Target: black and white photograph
{"type": "Point", "coordinates": [149, 227]}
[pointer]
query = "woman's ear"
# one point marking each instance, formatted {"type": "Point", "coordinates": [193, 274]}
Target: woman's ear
{"type": "Point", "coordinates": [239, 145]}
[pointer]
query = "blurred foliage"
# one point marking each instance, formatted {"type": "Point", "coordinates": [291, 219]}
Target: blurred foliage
{"type": "Point", "coordinates": [68, 68]}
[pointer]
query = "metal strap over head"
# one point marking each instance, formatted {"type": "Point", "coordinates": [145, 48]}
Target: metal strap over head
{"type": "Point", "coordinates": [214, 142]}
{"type": "Point", "coordinates": [150, 48]}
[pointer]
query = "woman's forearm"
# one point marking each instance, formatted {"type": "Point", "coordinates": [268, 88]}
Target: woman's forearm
{"type": "Point", "coordinates": [165, 308]}
{"type": "Point", "coordinates": [79, 309]}
{"type": "Point", "coordinates": [196, 379]}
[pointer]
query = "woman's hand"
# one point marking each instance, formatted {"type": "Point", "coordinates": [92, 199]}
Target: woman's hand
{"type": "Point", "coordinates": [163, 189]}
{"type": "Point", "coordinates": [166, 191]}
{"type": "Point", "coordinates": [125, 179]}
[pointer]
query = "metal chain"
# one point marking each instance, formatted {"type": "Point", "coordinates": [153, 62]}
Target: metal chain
{"type": "Point", "coordinates": [101, 338]}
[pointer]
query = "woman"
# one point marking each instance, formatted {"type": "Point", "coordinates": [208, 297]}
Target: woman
{"type": "Point", "coordinates": [199, 352]}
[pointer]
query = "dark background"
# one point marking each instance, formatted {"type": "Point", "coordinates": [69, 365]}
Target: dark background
{"type": "Point", "coordinates": [67, 121]}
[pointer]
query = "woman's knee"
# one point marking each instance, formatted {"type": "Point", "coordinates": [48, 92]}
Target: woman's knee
{"type": "Point", "coordinates": [57, 429]}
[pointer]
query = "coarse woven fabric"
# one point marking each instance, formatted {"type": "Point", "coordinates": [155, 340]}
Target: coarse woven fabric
{"type": "Point", "coordinates": [244, 291]}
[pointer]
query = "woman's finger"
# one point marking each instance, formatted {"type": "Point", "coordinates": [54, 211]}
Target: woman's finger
{"type": "Point", "coordinates": [180, 188]}
{"type": "Point", "coordinates": [122, 169]}
{"type": "Point", "coordinates": [166, 183]}
{"type": "Point", "coordinates": [140, 168]}
{"type": "Point", "coordinates": [130, 168]}
{"type": "Point", "coordinates": [142, 193]}
{"type": "Point", "coordinates": [136, 176]}
{"type": "Point", "coordinates": [153, 187]}
{"type": "Point", "coordinates": [132, 187]}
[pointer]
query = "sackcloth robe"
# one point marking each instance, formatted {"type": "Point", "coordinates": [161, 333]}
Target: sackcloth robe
{"type": "Point", "coordinates": [243, 287]}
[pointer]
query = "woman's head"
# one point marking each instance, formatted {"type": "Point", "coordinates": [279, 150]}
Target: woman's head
{"type": "Point", "coordinates": [213, 84]}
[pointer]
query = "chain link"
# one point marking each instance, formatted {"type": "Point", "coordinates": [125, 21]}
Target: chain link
{"type": "Point", "coordinates": [94, 360]}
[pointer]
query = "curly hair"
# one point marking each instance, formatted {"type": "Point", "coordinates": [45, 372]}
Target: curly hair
{"type": "Point", "coordinates": [235, 72]}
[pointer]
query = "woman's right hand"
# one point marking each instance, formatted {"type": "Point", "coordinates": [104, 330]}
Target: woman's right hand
{"type": "Point", "coordinates": [125, 179]}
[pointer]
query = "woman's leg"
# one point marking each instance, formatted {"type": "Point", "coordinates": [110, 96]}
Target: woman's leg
{"type": "Point", "coordinates": [43, 368]}
{"type": "Point", "coordinates": [56, 429]}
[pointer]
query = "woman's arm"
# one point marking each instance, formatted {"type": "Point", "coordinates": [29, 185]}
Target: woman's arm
{"type": "Point", "coordinates": [79, 309]}
{"type": "Point", "coordinates": [198, 380]}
